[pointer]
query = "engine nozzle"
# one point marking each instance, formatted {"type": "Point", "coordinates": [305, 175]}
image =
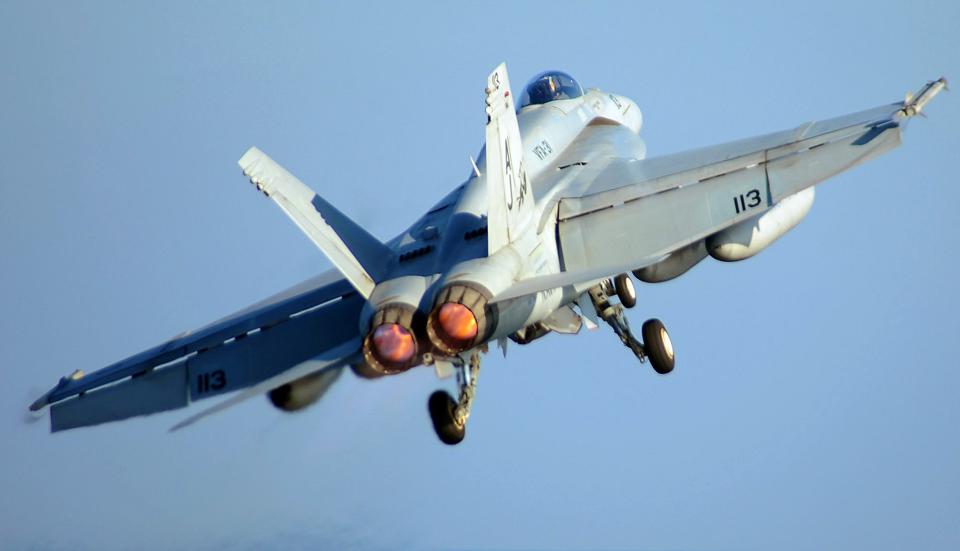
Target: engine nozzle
{"type": "Point", "coordinates": [391, 345]}
{"type": "Point", "coordinates": [394, 343]}
{"type": "Point", "coordinates": [459, 319]}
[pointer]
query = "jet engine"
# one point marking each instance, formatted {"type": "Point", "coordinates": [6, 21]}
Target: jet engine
{"type": "Point", "coordinates": [747, 238]}
{"type": "Point", "coordinates": [462, 317]}
{"type": "Point", "coordinates": [392, 323]}
{"type": "Point", "coordinates": [299, 394]}
{"type": "Point", "coordinates": [391, 345]}
{"type": "Point", "coordinates": [459, 320]}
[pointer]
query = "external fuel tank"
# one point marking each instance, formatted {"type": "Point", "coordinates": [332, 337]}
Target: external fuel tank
{"type": "Point", "coordinates": [747, 238]}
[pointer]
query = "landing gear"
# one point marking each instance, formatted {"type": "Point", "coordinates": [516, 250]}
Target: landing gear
{"type": "Point", "coordinates": [656, 344]}
{"type": "Point", "coordinates": [625, 290]}
{"type": "Point", "coordinates": [442, 407]}
{"type": "Point", "coordinates": [449, 417]}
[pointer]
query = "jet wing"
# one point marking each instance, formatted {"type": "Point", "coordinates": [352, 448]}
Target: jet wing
{"type": "Point", "coordinates": [250, 346]}
{"type": "Point", "coordinates": [623, 214]}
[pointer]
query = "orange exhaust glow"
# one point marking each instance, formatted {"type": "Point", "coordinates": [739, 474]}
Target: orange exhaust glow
{"type": "Point", "coordinates": [458, 322]}
{"type": "Point", "coordinates": [393, 343]}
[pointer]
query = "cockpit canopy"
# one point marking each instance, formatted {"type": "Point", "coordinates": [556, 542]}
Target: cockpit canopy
{"type": "Point", "coordinates": [549, 86]}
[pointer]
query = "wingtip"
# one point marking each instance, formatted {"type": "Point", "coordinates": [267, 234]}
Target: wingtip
{"type": "Point", "coordinates": [41, 402]}
{"type": "Point", "coordinates": [914, 104]}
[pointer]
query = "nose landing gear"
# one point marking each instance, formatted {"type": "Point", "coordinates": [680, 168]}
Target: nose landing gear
{"type": "Point", "coordinates": [656, 345]}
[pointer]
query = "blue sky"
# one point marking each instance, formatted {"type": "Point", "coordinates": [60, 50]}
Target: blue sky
{"type": "Point", "coordinates": [814, 402]}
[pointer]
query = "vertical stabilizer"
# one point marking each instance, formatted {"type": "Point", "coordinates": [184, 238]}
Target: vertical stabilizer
{"type": "Point", "coordinates": [358, 255]}
{"type": "Point", "coordinates": [510, 201]}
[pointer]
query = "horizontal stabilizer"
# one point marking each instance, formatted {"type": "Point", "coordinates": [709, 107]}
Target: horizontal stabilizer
{"type": "Point", "coordinates": [359, 256]}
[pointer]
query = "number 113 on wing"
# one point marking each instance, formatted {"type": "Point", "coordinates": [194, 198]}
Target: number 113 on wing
{"type": "Point", "coordinates": [746, 201]}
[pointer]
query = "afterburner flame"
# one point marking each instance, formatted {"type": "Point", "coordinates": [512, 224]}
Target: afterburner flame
{"type": "Point", "coordinates": [393, 343]}
{"type": "Point", "coordinates": [458, 322]}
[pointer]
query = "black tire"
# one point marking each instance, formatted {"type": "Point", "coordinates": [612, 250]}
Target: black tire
{"type": "Point", "coordinates": [441, 406]}
{"type": "Point", "coordinates": [626, 292]}
{"type": "Point", "coordinates": [658, 346]}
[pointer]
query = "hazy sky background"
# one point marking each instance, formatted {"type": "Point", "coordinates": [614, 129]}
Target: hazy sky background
{"type": "Point", "coordinates": [815, 401]}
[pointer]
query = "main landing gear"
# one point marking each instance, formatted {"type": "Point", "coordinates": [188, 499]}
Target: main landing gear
{"type": "Point", "coordinates": [450, 416]}
{"type": "Point", "coordinates": [656, 345]}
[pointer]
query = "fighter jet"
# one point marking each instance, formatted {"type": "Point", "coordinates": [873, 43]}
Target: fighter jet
{"type": "Point", "coordinates": [560, 207]}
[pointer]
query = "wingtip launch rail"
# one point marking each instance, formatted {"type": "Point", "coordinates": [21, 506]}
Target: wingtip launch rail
{"type": "Point", "coordinates": [913, 105]}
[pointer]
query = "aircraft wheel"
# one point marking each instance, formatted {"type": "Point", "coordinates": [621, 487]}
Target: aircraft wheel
{"type": "Point", "coordinates": [442, 406]}
{"type": "Point", "coordinates": [625, 290]}
{"type": "Point", "coordinates": [658, 346]}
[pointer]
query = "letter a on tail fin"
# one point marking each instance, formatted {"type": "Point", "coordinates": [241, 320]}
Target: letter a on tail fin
{"type": "Point", "coordinates": [510, 200]}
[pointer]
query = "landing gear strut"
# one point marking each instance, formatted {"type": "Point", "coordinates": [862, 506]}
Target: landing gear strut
{"type": "Point", "coordinates": [449, 417]}
{"type": "Point", "coordinates": [656, 347]}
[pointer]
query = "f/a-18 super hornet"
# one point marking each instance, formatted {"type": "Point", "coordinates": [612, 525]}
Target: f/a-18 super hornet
{"type": "Point", "coordinates": [560, 207]}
